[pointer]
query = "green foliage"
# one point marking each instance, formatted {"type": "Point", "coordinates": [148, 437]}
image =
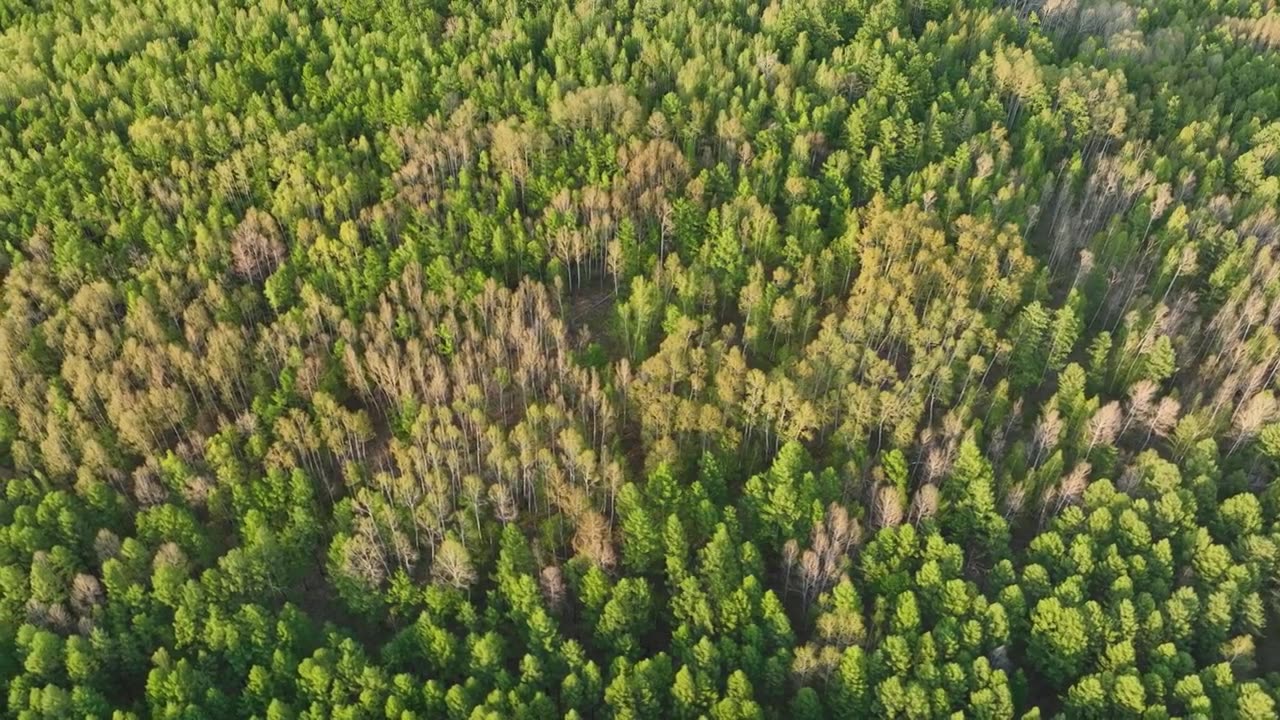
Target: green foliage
{"type": "Point", "coordinates": [638, 360]}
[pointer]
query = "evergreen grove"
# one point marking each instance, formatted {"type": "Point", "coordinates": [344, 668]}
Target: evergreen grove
{"type": "Point", "coordinates": [720, 359]}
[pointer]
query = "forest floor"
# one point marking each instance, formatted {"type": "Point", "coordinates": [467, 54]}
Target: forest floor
{"type": "Point", "coordinates": [592, 309]}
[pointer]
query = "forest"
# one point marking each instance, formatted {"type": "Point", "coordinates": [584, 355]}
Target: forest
{"type": "Point", "coordinates": [724, 359]}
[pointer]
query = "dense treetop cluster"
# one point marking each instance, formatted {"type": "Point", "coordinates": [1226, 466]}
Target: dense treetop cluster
{"type": "Point", "coordinates": [656, 359]}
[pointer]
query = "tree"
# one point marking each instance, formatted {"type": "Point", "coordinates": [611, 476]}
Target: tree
{"type": "Point", "coordinates": [641, 542]}
{"type": "Point", "coordinates": [626, 617]}
{"type": "Point", "coordinates": [1030, 358]}
{"type": "Point", "coordinates": [969, 506]}
{"type": "Point", "coordinates": [362, 358]}
{"type": "Point", "coordinates": [1059, 640]}
{"type": "Point", "coordinates": [850, 696]}
{"type": "Point", "coordinates": [256, 247]}
{"type": "Point", "coordinates": [452, 565]}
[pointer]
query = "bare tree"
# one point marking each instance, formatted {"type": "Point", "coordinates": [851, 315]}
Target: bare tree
{"type": "Point", "coordinates": [925, 503]}
{"type": "Point", "coordinates": [452, 565]}
{"type": "Point", "coordinates": [1251, 416]}
{"type": "Point", "coordinates": [551, 580]}
{"type": "Point", "coordinates": [1104, 425]}
{"type": "Point", "coordinates": [256, 247]}
{"type": "Point", "coordinates": [888, 506]}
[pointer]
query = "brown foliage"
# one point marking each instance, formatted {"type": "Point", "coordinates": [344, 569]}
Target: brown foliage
{"type": "Point", "coordinates": [256, 246]}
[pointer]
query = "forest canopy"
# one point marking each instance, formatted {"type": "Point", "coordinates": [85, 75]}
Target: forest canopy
{"type": "Point", "coordinates": [660, 359]}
